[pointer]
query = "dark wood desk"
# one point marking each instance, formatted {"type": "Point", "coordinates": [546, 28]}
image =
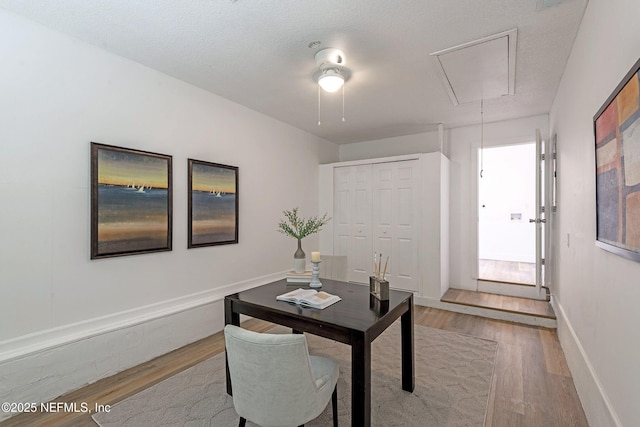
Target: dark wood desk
{"type": "Point", "coordinates": [356, 320]}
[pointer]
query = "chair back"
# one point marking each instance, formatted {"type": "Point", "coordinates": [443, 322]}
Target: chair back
{"type": "Point", "coordinates": [271, 376]}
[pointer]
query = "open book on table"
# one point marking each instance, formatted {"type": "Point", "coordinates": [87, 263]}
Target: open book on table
{"type": "Point", "coordinates": [309, 298]}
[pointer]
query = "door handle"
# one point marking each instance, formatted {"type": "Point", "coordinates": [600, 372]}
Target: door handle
{"type": "Point", "coordinates": [537, 221]}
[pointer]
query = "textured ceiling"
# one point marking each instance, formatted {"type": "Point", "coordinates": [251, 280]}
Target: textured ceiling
{"type": "Point", "coordinates": [256, 53]}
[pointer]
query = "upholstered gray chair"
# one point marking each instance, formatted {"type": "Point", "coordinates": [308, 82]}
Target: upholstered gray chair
{"type": "Point", "coordinates": [275, 382]}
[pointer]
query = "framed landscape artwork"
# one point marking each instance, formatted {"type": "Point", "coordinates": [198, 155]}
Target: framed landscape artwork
{"type": "Point", "coordinates": [131, 201]}
{"type": "Point", "coordinates": [617, 137]}
{"type": "Point", "coordinates": [213, 204]}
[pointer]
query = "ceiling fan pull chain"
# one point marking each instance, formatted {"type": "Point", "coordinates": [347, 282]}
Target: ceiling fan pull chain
{"type": "Point", "coordinates": [319, 123]}
{"type": "Point", "coordinates": [343, 120]}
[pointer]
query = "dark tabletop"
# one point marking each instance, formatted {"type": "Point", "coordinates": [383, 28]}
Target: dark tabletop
{"type": "Point", "coordinates": [357, 310]}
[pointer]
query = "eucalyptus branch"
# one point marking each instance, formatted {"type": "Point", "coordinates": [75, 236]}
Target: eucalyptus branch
{"type": "Point", "coordinates": [299, 228]}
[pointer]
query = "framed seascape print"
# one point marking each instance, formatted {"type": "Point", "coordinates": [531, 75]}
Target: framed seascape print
{"type": "Point", "coordinates": [617, 137]}
{"type": "Point", "coordinates": [131, 201]}
{"type": "Point", "coordinates": [213, 204]}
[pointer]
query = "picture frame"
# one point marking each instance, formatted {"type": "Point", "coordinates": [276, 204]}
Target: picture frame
{"type": "Point", "coordinates": [616, 129]}
{"type": "Point", "coordinates": [213, 204]}
{"type": "Point", "coordinates": [131, 201]}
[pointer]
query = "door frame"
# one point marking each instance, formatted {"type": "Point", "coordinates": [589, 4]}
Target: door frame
{"type": "Point", "coordinates": [534, 292]}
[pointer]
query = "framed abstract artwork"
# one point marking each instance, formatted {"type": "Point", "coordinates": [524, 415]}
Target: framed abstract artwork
{"type": "Point", "coordinates": [617, 143]}
{"type": "Point", "coordinates": [213, 204]}
{"type": "Point", "coordinates": [131, 201]}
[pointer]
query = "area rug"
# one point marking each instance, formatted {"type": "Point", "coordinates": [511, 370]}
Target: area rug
{"type": "Point", "coordinates": [453, 374]}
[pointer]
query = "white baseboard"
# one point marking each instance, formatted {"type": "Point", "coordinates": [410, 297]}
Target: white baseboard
{"type": "Point", "coordinates": [596, 404]}
{"type": "Point", "coordinates": [42, 366]}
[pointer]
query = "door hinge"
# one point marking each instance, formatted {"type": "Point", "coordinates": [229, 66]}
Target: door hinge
{"type": "Point", "coordinates": [541, 156]}
{"type": "Point", "coordinates": [542, 261]}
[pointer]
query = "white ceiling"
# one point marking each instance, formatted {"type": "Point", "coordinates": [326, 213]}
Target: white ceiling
{"type": "Point", "coordinates": [255, 52]}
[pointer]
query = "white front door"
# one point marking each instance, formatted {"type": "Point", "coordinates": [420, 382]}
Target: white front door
{"type": "Point", "coordinates": [539, 219]}
{"type": "Point", "coordinates": [511, 219]}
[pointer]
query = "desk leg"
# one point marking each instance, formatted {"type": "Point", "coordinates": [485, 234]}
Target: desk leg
{"type": "Point", "coordinates": [408, 370]}
{"type": "Point", "coordinates": [230, 318]}
{"type": "Point", "coordinates": [360, 380]}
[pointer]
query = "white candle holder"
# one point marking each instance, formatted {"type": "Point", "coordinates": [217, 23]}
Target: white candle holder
{"type": "Point", "coordinates": [315, 282]}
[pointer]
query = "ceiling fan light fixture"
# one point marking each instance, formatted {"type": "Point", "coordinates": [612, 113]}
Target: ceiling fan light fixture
{"type": "Point", "coordinates": [330, 74]}
{"type": "Point", "coordinates": [331, 80]}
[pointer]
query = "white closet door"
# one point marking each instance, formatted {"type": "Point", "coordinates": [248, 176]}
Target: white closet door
{"type": "Point", "coordinates": [360, 258]}
{"type": "Point", "coordinates": [395, 218]}
{"type": "Point", "coordinates": [342, 211]}
{"type": "Point", "coordinates": [383, 213]}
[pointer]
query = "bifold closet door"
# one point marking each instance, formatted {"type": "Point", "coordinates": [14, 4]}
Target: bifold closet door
{"type": "Point", "coordinates": [395, 221]}
{"type": "Point", "coordinates": [376, 210]}
{"type": "Point", "coordinates": [341, 211]}
{"type": "Point", "coordinates": [352, 220]}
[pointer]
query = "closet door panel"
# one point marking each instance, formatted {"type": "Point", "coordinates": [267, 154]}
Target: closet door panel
{"type": "Point", "coordinates": [359, 258]}
{"type": "Point", "coordinates": [405, 227]}
{"type": "Point", "coordinates": [341, 211]}
{"type": "Point", "coordinates": [383, 199]}
{"type": "Point", "coordinates": [360, 262]}
{"type": "Point", "coordinates": [404, 262]}
{"type": "Point", "coordinates": [383, 220]}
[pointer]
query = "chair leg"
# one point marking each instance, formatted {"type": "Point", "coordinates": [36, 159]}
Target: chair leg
{"type": "Point", "coordinates": [242, 422]}
{"type": "Point", "coordinates": [334, 404]}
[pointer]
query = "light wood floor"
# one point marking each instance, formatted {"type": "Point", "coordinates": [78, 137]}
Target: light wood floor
{"type": "Point", "coordinates": [521, 273]}
{"type": "Point", "coordinates": [532, 385]}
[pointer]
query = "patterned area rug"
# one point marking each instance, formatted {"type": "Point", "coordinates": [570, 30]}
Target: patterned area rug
{"type": "Point", "coordinates": [453, 381]}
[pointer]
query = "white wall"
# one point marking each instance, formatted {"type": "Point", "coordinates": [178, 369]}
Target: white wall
{"type": "Point", "coordinates": [427, 142]}
{"type": "Point", "coordinates": [596, 293]}
{"type": "Point", "coordinates": [57, 95]}
{"type": "Point", "coordinates": [434, 227]}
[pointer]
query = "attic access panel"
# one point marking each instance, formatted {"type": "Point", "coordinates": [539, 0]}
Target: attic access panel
{"type": "Point", "coordinates": [481, 69]}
